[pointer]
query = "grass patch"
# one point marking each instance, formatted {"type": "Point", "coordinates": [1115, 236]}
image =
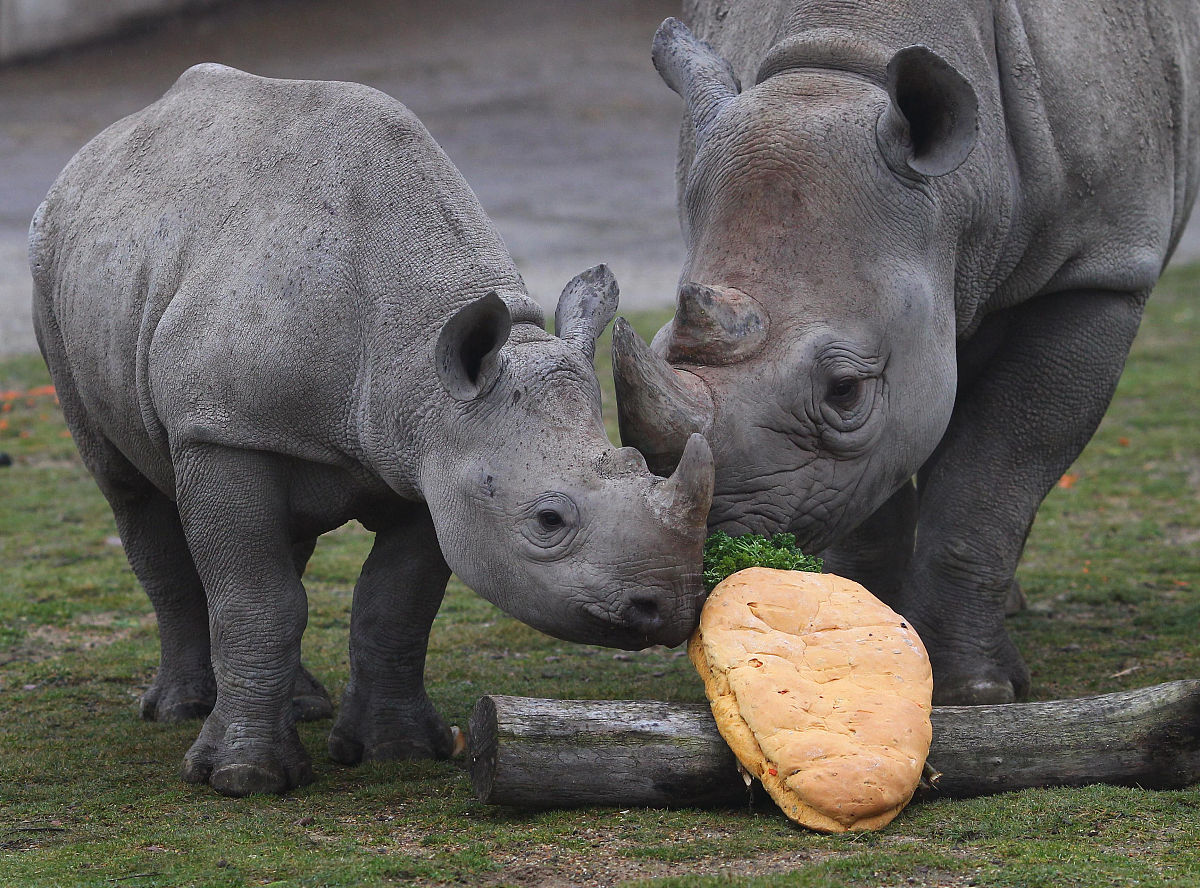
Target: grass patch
{"type": "Point", "coordinates": [89, 795]}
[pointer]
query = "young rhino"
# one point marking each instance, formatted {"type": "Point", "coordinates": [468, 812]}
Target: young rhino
{"type": "Point", "coordinates": [273, 306]}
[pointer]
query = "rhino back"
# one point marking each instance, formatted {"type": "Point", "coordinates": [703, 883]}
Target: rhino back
{"type": "Point", "coordinates": [250, 261]}
{"type": "Point", "coordinates": [1120, 92]}
{"type": "Point", "coordinates": [1089, 120]}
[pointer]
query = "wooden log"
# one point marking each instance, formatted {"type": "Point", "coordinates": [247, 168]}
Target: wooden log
{"type": "Point", "coordinates": [538, 753]}
{"type": "Point", "coordinates": [530, 752]}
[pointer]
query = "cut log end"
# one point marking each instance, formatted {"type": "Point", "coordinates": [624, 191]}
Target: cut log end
{"type": "Point", "coordinates": [483, 747]}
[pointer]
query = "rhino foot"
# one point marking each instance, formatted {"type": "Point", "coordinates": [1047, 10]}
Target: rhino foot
{"type": "Point", "coordinates": [249, 767]}
{"type": "Point", "coordinates": [370, 729]}
{"type": "Point", "coordinates": [1015, 601]}
{"type": "Point", "coordinates": [184, 699]}
{"type": "Point", "coordinates": [310, 700]}
{"type": "Point", "coordinates": [972, 691]}
{"type": "Point", "coordinates": [180, 699]}
{"type": "Point", "coordinates": [979, 679]}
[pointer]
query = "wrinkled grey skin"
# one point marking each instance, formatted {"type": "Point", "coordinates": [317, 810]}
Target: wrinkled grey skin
{"type": "Point", "coordinates": [920, 236]}
{"type": "Point", "coordinates": [270, 307]}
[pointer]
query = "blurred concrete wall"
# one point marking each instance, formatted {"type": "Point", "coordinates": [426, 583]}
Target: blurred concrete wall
{"type": "Point", "coordinates": [33, 27]}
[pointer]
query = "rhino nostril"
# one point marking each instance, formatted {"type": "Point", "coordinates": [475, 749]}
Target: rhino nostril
{"type": "Point", "coordinates": [644, 611]}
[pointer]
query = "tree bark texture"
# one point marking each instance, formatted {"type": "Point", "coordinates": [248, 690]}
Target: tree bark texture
{"type": "Point", "coordinates": [530, 752]}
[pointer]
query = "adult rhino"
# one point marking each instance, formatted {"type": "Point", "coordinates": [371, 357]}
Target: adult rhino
{"type": "Point", "coordinates": [272, 306]}
{"type": "Point", "coordinates": [919, 241]}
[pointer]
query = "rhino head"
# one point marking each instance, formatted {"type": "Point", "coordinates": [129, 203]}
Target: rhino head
{"type": "Point", "coordinates": [534, 509]}
{"type": "Point", "coordinates": [814, 337]}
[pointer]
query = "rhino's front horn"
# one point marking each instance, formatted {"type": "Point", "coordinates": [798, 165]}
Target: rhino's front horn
{"type": "Point", "coordinates": [715, 325]}
{"type": "Point", "coordinates": [658, 407]}
{"type": "Point", "coordinates": [683, 499]}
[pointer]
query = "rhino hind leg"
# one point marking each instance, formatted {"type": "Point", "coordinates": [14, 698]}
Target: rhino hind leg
{"type": "Point", "coordinates": [273, 767]}
{"type": "Point", "coordinates": [310, 699]}
{"type": "Point", "coordinates": [1017, 426]}
{"type": "Point", "coordinates": [151, 533]}
{"type": "Point", "coordinates": [148, 523]}
{"type": "Point", "coordinates": [233, 506]}
{"type": "Point", "coordinates": [184, 687]}
{"type": "Point", "coordinates": [149, 528]}
{"type": "Point", "coordinates": [385, 712]}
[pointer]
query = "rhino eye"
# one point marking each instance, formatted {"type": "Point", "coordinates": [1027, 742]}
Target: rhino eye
{"type": "Point", "coordinates": [845, 392]}
{"type": "Point", "coordinates": [550, 519]}
{"type": "Point", "coordinates": [849, 402]}
{"type": "Point", "coordinates": [550, 522]}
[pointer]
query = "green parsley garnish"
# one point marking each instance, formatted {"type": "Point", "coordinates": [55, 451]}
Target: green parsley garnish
{"type": "Point", "coordinates": [725, 555]}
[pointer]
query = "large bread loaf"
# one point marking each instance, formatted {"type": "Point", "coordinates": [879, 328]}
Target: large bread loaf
{"type": "Point", "coordinates": [822, 692]}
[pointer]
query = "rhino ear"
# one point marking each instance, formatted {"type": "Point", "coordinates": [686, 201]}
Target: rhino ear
{"type": "Point", "coordinates": [585, 307]}
{"type": "Point", "coordinates": [695, 70]}
{"type": "Point", "coordinates": [467, 355]}
{"type": "Point", "coordinates": [932, 121]}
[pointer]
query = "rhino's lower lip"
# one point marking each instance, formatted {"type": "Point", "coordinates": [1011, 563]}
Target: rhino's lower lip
{"type": "Point", "coordinates": [621, 634]}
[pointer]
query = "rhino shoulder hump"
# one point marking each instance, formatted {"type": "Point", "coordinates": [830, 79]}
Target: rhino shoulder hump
{"type": "Point", "coordinates": [207, 72]}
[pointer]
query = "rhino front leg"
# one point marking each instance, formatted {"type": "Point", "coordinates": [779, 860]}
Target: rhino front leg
{"type": "Point", "coordinates": [385, 712]}
{"type": "Point", "coordinates": [233, 505]}
{"type": "Point", "coordinates": [878, 551]}
{"type": "Point", "coordinates": [1017, 426]}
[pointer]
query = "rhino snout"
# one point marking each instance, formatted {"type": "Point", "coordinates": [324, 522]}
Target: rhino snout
{"type": "Point", "coordinates": [640, 618]}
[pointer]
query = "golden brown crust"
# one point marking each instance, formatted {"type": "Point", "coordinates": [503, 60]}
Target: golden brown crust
{"type": "Point", "coordinates": [821, 691]}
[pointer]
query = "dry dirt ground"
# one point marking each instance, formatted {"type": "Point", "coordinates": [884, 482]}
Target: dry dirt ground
{"type": "Point", "coordinates": [552, 110]}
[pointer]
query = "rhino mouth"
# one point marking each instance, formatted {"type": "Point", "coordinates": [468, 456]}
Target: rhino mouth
{"type": "Point", "coordinates": [641, 622]}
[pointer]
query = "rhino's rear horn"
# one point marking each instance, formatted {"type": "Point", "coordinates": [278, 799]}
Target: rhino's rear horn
{"type": "Point", "coordinates": [715, 325]}
{"type": "Point", "coordinates": [658, 407]}
{"type": "Point", "coordinates": [683, 500]}
{"type": "Point", "coordinates": [585, 307]}
{"type": "Point", "coordinates": [695, 70]}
